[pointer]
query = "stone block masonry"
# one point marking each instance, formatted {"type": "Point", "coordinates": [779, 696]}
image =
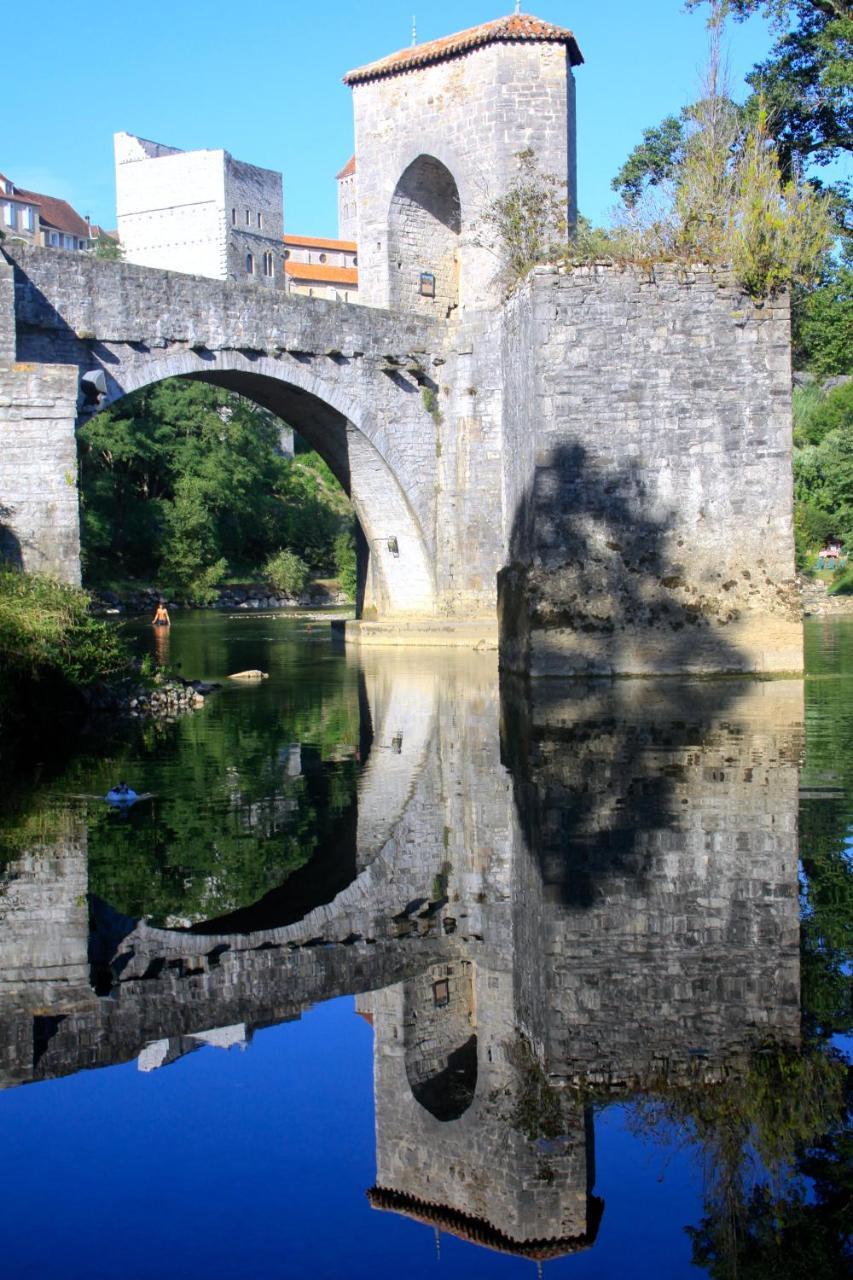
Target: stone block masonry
{"type": "Point", "coordinates": [608, 455]}
{"type": "Point", "coordinates": [39, 525]}
{"type": "Point", "coordinates": [469, 116]}
{"type": "Point", "coordinates": [647, 463]}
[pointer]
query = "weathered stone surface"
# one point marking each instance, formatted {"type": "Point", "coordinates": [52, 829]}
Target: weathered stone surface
{"type": "Point", "coordinates": [650, 504]}
{"type": "Point", "coordinates": [614, 443]}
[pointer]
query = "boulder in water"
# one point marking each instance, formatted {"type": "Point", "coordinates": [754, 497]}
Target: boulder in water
{"type": "Point", "coordinates": [249, 675]}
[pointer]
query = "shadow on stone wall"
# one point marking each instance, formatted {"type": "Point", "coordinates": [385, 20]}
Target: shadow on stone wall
{"type": "Point", "coordinates": [596, 765]}
{"type": "Point", "coordinates": [11, 553]}
{"type": "Point", "coordinates": [595, 585]}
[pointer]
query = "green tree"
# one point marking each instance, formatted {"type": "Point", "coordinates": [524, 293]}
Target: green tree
{"type": "Point", "coordinates": [346, 566]}
{"type": "Point", "coordinates": [108, 247]}
{"type": "Point", "coordinates": [806, 82]}
{"type": "Point", "coordinates": [287, 572]}
{"type": "Point", "coordinates": [823, 324]}
{"type": "Point", "coordinates": [183, 482]}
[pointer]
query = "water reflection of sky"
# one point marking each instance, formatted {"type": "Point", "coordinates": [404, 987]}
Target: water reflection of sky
{"type": "Point", "coordinates": [256, 1163]}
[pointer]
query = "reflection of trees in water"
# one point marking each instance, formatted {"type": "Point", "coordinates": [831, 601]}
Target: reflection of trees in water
{"type": "Point", "coordinates": [242, 800]}
{"type": "Point", "coordinates": [775, 1146]}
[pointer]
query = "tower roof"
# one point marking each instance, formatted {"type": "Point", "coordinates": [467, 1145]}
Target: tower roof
{"type": "Point", "coordinates": [478, 1231]}
{"type": "Point", "coordinates": [515, 28]}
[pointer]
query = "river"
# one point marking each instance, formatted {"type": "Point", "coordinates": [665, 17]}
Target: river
{"type": "Point", "coordinates": [401, 967]}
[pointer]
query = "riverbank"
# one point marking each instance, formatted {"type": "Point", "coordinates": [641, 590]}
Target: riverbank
{"type": "Point", "coordinates": [107, 602]}
{"type": "Point", "coordinates": [818, 603]}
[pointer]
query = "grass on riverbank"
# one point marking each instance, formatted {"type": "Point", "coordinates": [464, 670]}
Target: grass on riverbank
{"type": "Point", "coordinates": [51, 648]}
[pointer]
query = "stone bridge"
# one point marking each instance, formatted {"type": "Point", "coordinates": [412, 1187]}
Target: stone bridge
{"type": "Point", "coordinates": [350, 379]}
{"type": "Point", "coordinates": [597, 462]}
{"type": "Point", "coordinates": [603, 461]}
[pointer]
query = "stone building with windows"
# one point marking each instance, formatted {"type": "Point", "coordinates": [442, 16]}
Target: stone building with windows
{"type": "Point", "coordinates": [199, 212]}
{"type": "Point", "coordinates": [321, 268]}
{"type": "Point", "coordinates": [439, 131]}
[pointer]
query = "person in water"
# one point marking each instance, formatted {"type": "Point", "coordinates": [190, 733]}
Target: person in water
{"type": "Point", "coordinates": [161, 616]}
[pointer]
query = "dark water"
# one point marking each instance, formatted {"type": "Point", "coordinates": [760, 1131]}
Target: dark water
{"type": "Point", "coordinates": [401, 970]}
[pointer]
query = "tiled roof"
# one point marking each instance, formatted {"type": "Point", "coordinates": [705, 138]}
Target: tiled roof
{"type": "Point", "coordinates": [322, 274]}
{"type": "Point", "coordinates": [480, 1232]}
{"type": "Point", "coordinates": [518, 26]}
{"type": "Point", "coordinates": [317, 242]}
{"type": "Point", "coordinates": [348, 169]}
{"type": "Point", "coordinates": [58, 215]}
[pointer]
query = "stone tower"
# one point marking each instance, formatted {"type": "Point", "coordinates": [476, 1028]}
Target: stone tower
{"type": "Point", "coordinates": [439, 128]}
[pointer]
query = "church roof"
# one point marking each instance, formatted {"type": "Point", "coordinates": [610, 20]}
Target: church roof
{"type": "Point", "coordinates": [478, 1231]}
{"type": "Point", "coordinates": [516, 27]}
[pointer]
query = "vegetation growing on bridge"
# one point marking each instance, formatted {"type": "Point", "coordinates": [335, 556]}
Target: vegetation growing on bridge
{"type": "Point", "coordinates": [722, 182]}
{"type": "Point", "coordinates": [185, 485]}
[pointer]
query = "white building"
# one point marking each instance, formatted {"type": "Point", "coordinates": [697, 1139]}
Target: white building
{"type": "Point", "coordinates": [200, 212]}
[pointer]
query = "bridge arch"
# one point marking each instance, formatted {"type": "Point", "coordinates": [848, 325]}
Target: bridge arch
{"type": "Point", "coordinates": [424, 226]}
{"type": "Point", "coordinates": [400, 573]}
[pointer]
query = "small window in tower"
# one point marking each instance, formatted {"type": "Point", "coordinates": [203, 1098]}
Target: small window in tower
{"type": "Point", "coordinates": [427, 284]}
{"type": "Point", "coordinates": [248, 217]}
{"type": "Point", "coordinates": [233, 217]}
{"type": "Point", "coordinates": [441, 993]}
{"type": "Point", "coordinates": [250, 264]}
{"type": "Point", "coordinates": [260, 220]}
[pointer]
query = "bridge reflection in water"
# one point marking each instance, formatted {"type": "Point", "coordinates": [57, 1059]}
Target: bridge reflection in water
{"type": "Point", "coordinates": [576, 890]}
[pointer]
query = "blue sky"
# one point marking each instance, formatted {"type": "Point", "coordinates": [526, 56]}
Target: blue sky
{"type": "Point", "coordinates": [265, 83]}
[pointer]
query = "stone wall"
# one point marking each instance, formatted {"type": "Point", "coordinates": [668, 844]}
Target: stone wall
{"type": "Point", "coordinates": [39, 515]}
{"type": "Point", "coordinates": [659, 896]}
{"type": "Point", "coordinates": [647, 419]}
{"type": "Point", "coordinates": [477, 111]}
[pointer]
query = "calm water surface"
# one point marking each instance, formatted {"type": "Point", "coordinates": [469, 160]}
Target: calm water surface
{"type": "Point", "coordinates": [400, 969]}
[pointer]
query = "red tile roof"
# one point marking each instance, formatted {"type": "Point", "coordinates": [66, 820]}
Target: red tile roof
{"type": "Point", "coordinates": [348, 169]}
{"type": "Point", "coordinates": [317, 242]}
{"type": "Point", "coordinates": [306, 271]}
{"type": "Point", "coordinates": [480, 1232]}
{"type": "Point", "coordinates": [58, 214]}
{"type": "Point", "coordinates": [518, 26]}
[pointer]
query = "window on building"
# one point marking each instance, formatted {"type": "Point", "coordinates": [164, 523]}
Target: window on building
{"type": "Point", "coordinates": [28, 221]}
{"type": "Point", "coordinates": [54, 238]}
{"type": "Point", "coordinates": [8, 215]}
{"type": "Point", "coordinates": [268, 264]}
{"type": "Point", "coordinates": [355, 260]}
{"type": "Point", "coordinates": [248, 217]}
{"type": "Point", "coordinates": [233, 217]}
{"type": "Point", "coordinates": [250, 264]}
{"type": "Point", "coordinates": [260, 220]}
{"type": "Point", "coordinates": [322, 257]}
